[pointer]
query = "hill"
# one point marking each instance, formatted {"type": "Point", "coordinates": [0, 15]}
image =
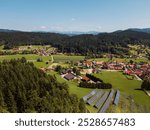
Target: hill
{"type": "Point", "coordinates": [8, 30]}
{"type": "Point", "coordinates": [85, 44]}
{"type": "Point", "coordinates": [145, 30]}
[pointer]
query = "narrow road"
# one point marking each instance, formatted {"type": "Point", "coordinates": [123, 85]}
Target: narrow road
{"type": "Point", "coordinates": [52, 59]}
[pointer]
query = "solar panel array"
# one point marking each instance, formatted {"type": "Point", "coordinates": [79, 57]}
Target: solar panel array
{"type": "Point", "coordinates": [94, 98]}
{"type": "Point", "coordinates": [116, 101]}
{"type": "Point", "coordinates": [102, 100]}
{"type": "Point", "coordinates": [106, 104]}
{"type": "Point", "coordinates": [85, 98]}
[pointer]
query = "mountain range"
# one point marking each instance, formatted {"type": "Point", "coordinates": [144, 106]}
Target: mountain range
{"type": "Point", "coordinates": [72, 33]}
{"type": "Point", "coordinates": [145, 30]}
{"type": "Point", "coordinates": [8, 30]}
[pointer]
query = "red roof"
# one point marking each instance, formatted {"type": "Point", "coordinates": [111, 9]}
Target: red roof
{"type": "Point", "coordinates": [85, 78]}
{"type": "Point", "coordinates": [128, 72]}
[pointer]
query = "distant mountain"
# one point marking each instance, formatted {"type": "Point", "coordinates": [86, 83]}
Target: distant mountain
{"type": "Point", "coordinates": [8, 30]}
{"type": "Point", "coordinates": [73, 33]}
{"type": "Point", "coordinates": [70, 33]}
{"type": "Point", "coordinates": [145, 30]}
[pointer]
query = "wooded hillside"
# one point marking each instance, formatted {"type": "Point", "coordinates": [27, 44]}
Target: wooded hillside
{"type": "Point", "coordinates": [116, 42]}
{"type": "Point", "coordinates": [24, 88]}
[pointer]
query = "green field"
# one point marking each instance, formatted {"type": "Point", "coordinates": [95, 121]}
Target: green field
{"type": "Point", "coordinates": [33, 57]}
{"type": "Point", "coordinates": [127, 87]}
{"type": "Point", "coordinates": [30, 57]}
{"type": "Point", "coordinates": [27, 56]}
{"type": "Point", "coordinates": [119, 81]}
{"type": "Point", "coordinates": [65, 58]}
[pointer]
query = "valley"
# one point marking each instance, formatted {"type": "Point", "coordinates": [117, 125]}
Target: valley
{"type": "Point", "coordinates": [48, 60]}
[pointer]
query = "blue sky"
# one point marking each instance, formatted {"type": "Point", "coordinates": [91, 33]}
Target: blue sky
{"type": "Point", "coordinates": [74, 15]}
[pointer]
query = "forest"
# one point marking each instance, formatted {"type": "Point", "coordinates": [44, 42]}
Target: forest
{"type": "Point", "coordinates": [86, 44]}
{"type": "Point", "coordinates": [24, 88]}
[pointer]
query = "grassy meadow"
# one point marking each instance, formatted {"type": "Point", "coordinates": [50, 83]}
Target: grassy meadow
{"type": "Point", "coordinates": [65, 58]}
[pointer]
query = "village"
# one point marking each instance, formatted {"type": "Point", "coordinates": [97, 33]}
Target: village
{"type": "Point", "coordinates": [138, 71]}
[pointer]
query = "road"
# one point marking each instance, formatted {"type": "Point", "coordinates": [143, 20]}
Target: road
{"type": "Point", "coordinates": [52, 58]}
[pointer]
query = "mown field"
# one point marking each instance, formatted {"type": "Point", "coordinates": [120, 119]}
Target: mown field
{"type": "Point", "coordinates": [33, 58]}
{"type": "Point", "coordinates": [30, 57]}
{"type": "Point", "coordinates": [65, 58]}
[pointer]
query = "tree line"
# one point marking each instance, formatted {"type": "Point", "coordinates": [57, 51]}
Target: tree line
{"type": "Point", "coordinates": [97, 83]}
{"type": "Point", "coordinates": [146, 84]}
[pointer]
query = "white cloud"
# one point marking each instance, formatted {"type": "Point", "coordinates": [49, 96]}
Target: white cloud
{"type": "Point", "coordinates": [43, 27]}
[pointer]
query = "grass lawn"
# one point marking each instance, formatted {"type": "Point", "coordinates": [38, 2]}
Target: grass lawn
{"type": "Point", "coordinates": [41, 64]}
{"type": "Point", "coordinates": [100, 59]}
{"type": "Point", "coordinates": [27, 56]}
{"type": "Point", "coordinates": [65, 58]}
{"type": "Point", "coordinates": [127, 87]}
{"type": "Point", "coordinates": [73, 86]}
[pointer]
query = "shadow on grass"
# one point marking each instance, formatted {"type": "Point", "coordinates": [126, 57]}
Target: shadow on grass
{"type": "Point", "coordinates": [139, 89]}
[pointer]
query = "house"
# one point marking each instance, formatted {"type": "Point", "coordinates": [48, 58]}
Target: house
{"type": "Point", "coordinates": [138, 72]}
{"type": "Point", "coordinates": [88, 64]}
{"type": "Point", "coordinates": [128, 72]}
{"type": "Point", "coordinates": [85, 78]}
{"type": "Point", "coordinates": [99, 62]}
{"type": "Point", "coordinates": [86, 71]}
{"type": "Point", "coordinates": [69, 76]}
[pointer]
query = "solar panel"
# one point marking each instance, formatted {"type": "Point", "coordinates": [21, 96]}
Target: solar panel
{"type": "Point", "coordinates": [94, 98]}
{"type": "Point", "coordinates": [85, 98]}
{"type": "Point", "coordinates": [102, 100]}
{"type": "Point", "coordinates": [116, 101]}
{"type": "Point", "coordinates": [106, 104]}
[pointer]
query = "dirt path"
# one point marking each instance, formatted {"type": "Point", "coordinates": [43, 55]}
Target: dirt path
{"type": "Point", "coordinates": [52, 59]}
